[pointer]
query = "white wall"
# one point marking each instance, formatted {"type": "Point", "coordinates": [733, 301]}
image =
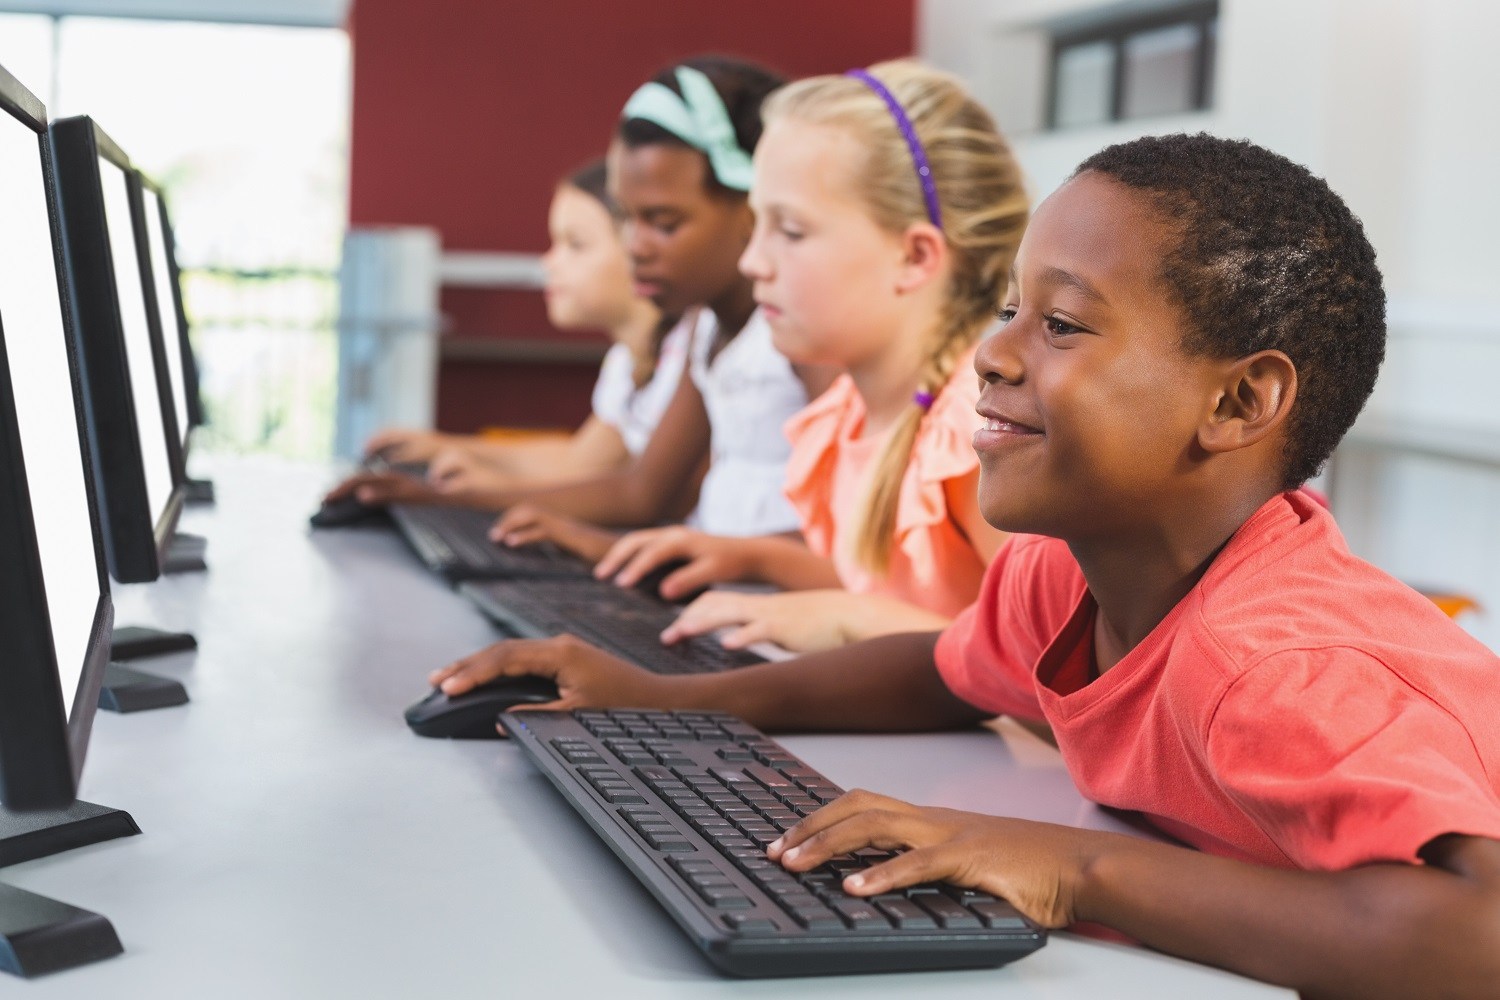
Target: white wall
{"type": "Point", "coordinates": [1395, 103]}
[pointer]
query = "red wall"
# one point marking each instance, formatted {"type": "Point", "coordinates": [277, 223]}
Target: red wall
{"type": "Point", "coordinates": [466, 112]}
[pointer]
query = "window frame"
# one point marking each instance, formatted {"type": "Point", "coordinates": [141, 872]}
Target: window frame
{"type": "Point", "coordinates": [1202, 16]}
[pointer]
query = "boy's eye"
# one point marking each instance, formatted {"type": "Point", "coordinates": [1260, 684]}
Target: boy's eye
{"type": "Point", "coordinates": [1006, 314]}
{"type": "Point", "coordinates": [1061, 327]}
{"type": "Point", "coordinates": [791, 234]}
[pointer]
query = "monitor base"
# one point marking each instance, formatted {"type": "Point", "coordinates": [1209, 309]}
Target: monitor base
{"type": "Point", "coordinates": [185, 554]}
{"type": "Point", "coordinates": [127, 690]}
{"type": "Point", "coordinates": [131, 642]}
{"type": "Point", "coordinates": [26, 836]}
{"type": "Point", "coordinates": [198, 491]}
{"type": "Point", "coordinates": [40, 935]}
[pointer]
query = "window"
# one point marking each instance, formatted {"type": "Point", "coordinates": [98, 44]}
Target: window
{"type": "Point", "coordinates": [246, 127]}
{"type": "Point", "coordinates": [1138, 66]}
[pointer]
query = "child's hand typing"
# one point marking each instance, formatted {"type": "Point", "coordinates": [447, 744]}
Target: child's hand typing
{"type": "Point", "coordinates": [455, 470]}
{"type": "Point", "coordinates": [1038, 867]}
{"type": "Point", "coordinates": [709, 558]}
{"type": "Point", "coordinates": [803, 621]}
{"type": "Point", "coordinates": [525, 524]}
{"type": "Point", "coordinates": [398, 444]}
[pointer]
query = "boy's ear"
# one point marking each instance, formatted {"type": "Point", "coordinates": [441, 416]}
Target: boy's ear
{"type": "Point", "coordinates": [1255, 398]}
{"type": "Point", "coordinates": [925, 252]}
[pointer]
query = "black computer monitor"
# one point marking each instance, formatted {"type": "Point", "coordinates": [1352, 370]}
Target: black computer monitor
{"type": "Point", "coordinates": [55, 609]}
{"type": "Point", "coordinates": [155, 225]}
{"type": "Point", "coordinates": [132, 425]}
{"type": "Point", "coordinates": [55, 612]}
{"type": "Point", "coordinates": [164, 302]}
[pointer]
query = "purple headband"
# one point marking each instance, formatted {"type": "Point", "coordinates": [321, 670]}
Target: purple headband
{"type": "Point", "coordinates": [918, 154]}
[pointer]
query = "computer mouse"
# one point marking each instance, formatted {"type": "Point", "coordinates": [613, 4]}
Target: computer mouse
{"type": "Point", "coordinates": [471, 716]}
{"type": "Point", "coordinates": [345, 512]}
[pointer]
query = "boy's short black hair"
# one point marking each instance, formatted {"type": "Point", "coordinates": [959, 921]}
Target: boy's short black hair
{"type": "Point", "coordinates": [1269, 258]}
{"type": "Point", "coordinates": [742, 86]}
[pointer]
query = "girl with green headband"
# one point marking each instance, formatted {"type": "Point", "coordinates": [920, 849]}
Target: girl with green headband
{"type": "Point", "coordinates": [680, 170]}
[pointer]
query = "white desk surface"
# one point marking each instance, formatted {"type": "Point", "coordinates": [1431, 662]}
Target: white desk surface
{"type": "Point", "coordinates": [299, 841]}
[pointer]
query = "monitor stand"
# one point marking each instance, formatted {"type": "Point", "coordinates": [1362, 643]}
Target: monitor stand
{"type": "Point", "coordinates": [131, 642]}
{"type": "Point", "coordinates": [40, 935]}
{"type": "Point", "coordinates": [185, 554]}
{"type": "Point", "coordinates": [127, 690]}
{"type": "Point", "coordinates": [198, 491]}
{"type": "Point", "coordinates": [26, 836]}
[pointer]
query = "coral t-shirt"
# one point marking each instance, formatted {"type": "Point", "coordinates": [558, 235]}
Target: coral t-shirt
{"type": "Point", "coordinates": [933, 564]}
{"type": "Point", "coordinates": [1298, 708]}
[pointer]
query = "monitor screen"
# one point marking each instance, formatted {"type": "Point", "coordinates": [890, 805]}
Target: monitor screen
{"type": "Point", "coordinates": [31, 311]}
{"type": "Point", "coordinates": [150, 424]}
{"type": "Point", "coordinates": [166, 305]}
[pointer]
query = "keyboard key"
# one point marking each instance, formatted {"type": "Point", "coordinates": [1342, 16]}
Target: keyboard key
{"type": "Point", "coordinates": [727, 899]}
{"type": "Point", "coordinates": [818, 919]}
{"type": "Point", "coordinates": [905, 913]}
{"type": "Point", "coordinates": [949, 914]}
{"type": "Point", "coordinates": [1000, 916]}
{"type": "Point", "coordinates": [747, 924]}
{"type": "Point", "coordinates": [858, 913]}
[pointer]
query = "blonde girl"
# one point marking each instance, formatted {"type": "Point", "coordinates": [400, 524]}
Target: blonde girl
{"type": "Point", "coordinates": [888, 210]}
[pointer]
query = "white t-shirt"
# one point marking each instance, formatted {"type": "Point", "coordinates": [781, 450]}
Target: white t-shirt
{"type": "Point", "coordinates": [749, 391]}
{"type": "Point", "coordinates": [635, 412]}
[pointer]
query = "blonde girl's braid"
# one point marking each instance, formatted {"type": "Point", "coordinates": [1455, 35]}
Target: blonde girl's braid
{"type": "Point", "coordinates": [980, 204]}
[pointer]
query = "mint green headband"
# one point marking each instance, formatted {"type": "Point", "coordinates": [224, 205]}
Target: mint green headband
{"type": "Point", "coordinates": [699, 119]}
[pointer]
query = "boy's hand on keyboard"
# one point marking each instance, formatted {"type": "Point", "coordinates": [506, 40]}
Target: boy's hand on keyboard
{"type": "Point", "coordinates": [709, 559]}
{"type": "Point", "coordinates": [1038, 867]}
{"type": "Point", "coordinates": [525, 524]}
{"type": "Point", "coordinates": [586, 677]}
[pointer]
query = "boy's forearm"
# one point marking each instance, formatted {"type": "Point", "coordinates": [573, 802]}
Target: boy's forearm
{"type": "Point", "coordinates": [1384, 931]}
{"type": "Point", "coordinates": [888, 684]}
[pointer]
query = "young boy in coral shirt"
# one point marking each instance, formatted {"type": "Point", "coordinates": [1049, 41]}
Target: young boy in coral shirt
{"type": "Point", "coordinates": [1191, 326]}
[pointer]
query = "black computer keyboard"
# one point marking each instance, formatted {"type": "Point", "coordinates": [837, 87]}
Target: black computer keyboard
{"type": "Point", "coordinates": [455, 541]}
{"type": "Point", "coordinates": [689, 801]}
{"type": "Point", "coordinates": [619, 620]}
